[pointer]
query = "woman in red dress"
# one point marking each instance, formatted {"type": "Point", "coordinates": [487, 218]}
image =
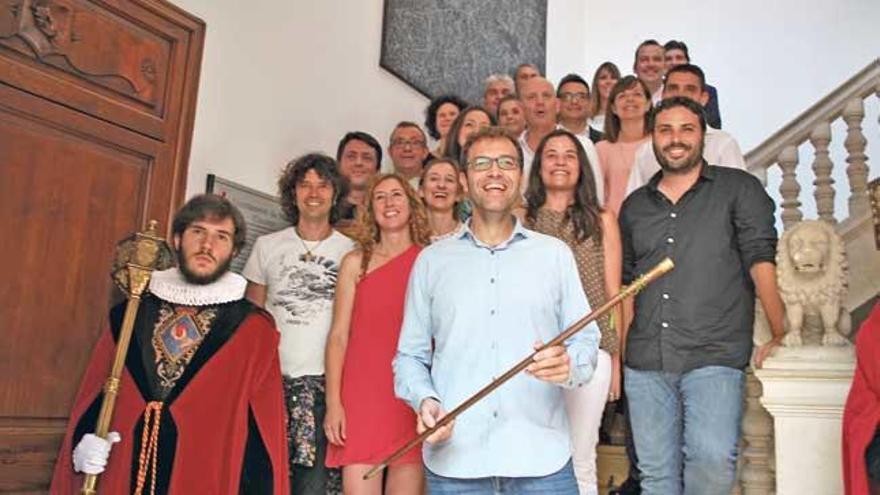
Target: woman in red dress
{"type": "Point", "coordinates": [365, 422]}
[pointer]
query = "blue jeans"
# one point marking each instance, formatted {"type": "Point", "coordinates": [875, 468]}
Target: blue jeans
{"type": "Point", "coordinates": [561, 482]}
{"type": "Point", "coordinates": [686, 427]}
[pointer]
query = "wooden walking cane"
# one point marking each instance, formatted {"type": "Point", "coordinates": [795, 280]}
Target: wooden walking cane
{"type": "Point", "coordinates": [633, 289]}
{"type": "Point", "coordinates": [136, 258]}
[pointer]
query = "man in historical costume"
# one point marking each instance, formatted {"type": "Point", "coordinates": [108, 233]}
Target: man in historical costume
{"type": "Point", "coordinates": [861, 416]}
{"type": "Point", "coordinates": [292, 273]}
{"type": "Point", "coordinates": [200, 406]}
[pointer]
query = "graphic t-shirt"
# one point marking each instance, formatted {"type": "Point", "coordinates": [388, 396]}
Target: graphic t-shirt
{"type": "Point", "coordinates": [299, 293]}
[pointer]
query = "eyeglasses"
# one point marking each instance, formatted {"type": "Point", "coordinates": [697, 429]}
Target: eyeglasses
{"type": "Point", "coordinates": [483, 163]}
{"type": "Point", "coordinates": [573, 96]}
{"type": "Point", "coordinates": [402, 143]}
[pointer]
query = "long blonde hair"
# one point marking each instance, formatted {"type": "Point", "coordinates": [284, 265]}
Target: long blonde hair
{"type": "Point", "coordinates": [367, 233]}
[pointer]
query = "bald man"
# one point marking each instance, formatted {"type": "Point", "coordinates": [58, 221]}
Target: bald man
{"type": "Point", "coordinates": [542, 108]}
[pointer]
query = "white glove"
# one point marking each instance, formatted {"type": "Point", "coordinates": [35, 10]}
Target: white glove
{"type": "Point", "coordinates": [91, 453]}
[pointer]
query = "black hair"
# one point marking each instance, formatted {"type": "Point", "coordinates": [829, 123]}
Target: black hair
{"type": "Point", "coordinates": [569, 79]}
{"type": "Point", "coordinates": [454, 150]}
{"type": "Point", "coordinates": [678, 101]}
{"type": "Point", "coordinates": [434, 106]}
{"type": "Point", "coordinates": [584, 212]}
{"type": "Point", "coordinates": [690, 69]}
{"type": "Point", "coordinates": [366, 139]}
{"type": "Point", "coordinates": [678, 45]}
{"type": "Point", "coordinates": [296, 170]}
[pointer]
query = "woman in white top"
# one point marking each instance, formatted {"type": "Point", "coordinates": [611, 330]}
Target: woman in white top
{"type": "Point", "coordinates": [604, 79]}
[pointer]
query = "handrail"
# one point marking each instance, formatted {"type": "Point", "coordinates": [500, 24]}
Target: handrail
{"type": "Point", "coordinates": [829, 108]}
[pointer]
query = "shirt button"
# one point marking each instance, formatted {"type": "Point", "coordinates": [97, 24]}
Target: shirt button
{"type": "Point", "coordinates": [495, 414]}
{"type": "Point", "coordinates": [670, 240]}
{"type": "Point", "coordinates": [664, 325]}
{"type": "Point", "coordinates": [492, 280]}
{"type": "Point", "coordinates": [673, 214]}
{"type": "Point", "coordinates": [492, 312]}
{"type": "Point", "coordinates": [665, 296]}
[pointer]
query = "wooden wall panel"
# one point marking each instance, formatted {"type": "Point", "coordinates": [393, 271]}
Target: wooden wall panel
{"type": "Point", "coordinates": [97, 103]}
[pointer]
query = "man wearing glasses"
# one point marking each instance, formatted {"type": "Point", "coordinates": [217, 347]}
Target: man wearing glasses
{"type": "Point", "coordinates": [408, 150]}
{"type": "Point", "coordinates": [574, 107]}
{"type": "Point", "coordinates": [542, 109]}
{"type": "Point", "coordinates": [476, 304]}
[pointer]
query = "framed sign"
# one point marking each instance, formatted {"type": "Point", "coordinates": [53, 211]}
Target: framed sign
{"type": "Point", "coordinates": [262, 213]}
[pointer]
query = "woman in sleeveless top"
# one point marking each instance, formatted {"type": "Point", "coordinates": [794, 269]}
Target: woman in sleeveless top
{"type": "Point", "coordinates": [561, 201]}
{"type": "Point", "coordinates": [365, 422]}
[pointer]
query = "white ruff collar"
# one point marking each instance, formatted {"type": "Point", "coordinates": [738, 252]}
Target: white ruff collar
{"type": "Point", "coordinates": [170, 286]}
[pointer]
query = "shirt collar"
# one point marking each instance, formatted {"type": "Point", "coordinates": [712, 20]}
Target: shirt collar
{"type": "Point", "coordinates": [706, 173]}
{"type": "Point", "coordinates": [519, 232]}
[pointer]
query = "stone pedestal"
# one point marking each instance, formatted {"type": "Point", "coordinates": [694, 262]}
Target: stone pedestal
{"type": "Point", "coordinates": [805, 389]}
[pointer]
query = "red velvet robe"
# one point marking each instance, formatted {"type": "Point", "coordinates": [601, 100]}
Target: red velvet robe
{"type": "Point", "coordinates": [227, 407]}
{"type": "Point", "coordinates": [861, 416]}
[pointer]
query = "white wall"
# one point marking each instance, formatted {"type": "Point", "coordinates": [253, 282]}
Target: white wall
{"type": "Point", "coordinates": [770, 60]}
{"type": "Point", "coordinates": [281, 77]}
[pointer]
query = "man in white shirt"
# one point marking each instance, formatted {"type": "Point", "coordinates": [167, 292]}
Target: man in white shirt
{"type": "Point", "coordinates": [292, 274]}
{"type": "Point", "coordinates": [720, 147]}
{"type": "Point", "coordinates": [542, 108]}
{"type": "Point", "coordinates": [649, 65]}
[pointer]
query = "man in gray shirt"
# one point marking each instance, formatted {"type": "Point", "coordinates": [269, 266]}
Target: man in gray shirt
{"type": "Point", "coordinates": [691, 336]}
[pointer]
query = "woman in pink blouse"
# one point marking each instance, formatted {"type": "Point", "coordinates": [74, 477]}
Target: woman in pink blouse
{"type": "Point", "coordinates": [626, 128]}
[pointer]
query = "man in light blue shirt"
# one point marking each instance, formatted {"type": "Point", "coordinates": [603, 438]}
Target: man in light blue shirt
{"type": "Point", "coordinates": [477, 303]}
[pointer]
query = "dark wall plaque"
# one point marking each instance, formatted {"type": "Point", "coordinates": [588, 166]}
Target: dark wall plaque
{"type": "Point", "coordinates": [450, 46]}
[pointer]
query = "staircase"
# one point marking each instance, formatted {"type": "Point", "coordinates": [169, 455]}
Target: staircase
{"type": "Point", "coordinates": [813, 129]}
{"type": "Point", "coordinates": [808, 138]}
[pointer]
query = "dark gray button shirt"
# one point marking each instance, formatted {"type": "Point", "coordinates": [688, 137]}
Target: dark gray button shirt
{"type": "Point", "coordinates": [701, 313]}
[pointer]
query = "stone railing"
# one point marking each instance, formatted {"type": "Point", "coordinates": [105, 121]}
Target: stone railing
{"type": "Point", "coordinates": [814, 125]}
{"type": "Point", "coordinates": [758, 463]}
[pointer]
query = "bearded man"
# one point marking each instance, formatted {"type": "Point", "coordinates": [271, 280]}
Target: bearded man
{"type": "Point", "coordinates": [691, 337]}
{"type": "Point", "coordinates": [200, 406]}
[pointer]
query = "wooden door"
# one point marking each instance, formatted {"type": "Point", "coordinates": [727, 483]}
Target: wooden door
{"type": "Point", "coordinates": [97, 100]}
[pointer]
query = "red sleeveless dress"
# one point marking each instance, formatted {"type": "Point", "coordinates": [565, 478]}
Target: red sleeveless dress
{"type": "Point", "coordinates": [376, 422]}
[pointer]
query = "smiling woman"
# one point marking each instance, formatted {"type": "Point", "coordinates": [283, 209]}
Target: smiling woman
{"type": "Point", "coordinates": [562, 203]}
{"type": "Point", "coordinates": [363, 338]}
{"type": "Point", "coordinates": [626, 129]}
{"type": "Point", "coordinates": [441, 190]}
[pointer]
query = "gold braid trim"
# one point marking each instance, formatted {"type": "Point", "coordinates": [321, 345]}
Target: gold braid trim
{"type": "Point", "coordinates": [148, 458]}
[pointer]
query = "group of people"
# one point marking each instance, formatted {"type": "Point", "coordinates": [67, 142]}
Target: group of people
{"type": "Point", "coordinates": [398, 295]}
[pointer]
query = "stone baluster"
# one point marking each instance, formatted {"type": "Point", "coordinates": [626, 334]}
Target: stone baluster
{"type": "Point", "coordinates": [789, 188]}
{"type": "Point", "coordinates": [822, 165]}
{"type": "Point", "coordinates": [756, 477]}
{"type": "Point", "coordinates": [857, 170]}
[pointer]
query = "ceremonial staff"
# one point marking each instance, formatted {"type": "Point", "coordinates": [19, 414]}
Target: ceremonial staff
{"type": "Point", "coordinates": [633, 289]}
{"type": "Point", "coordinates": [136, 258]}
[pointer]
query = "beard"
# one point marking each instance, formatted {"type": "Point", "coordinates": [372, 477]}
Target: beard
{"type": "Point", "coordinates": [201, 279]}
{"type": "Point", "coordinates": [683, 165]}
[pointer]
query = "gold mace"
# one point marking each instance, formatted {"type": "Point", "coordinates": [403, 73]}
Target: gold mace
{"type": "Point", "coordinates": [633, 289]}
{"type": "Point", "coordinates": [136, 258]}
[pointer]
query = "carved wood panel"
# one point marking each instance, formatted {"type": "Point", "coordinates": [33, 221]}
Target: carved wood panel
{"type": "Point", "coordinates": [90, 148]}
{"type": "Point", "coordinates": [121, 56]}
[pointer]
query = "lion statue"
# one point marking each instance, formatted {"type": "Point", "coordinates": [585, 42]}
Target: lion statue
{"type": "Point", "coordinates": [811, 272]}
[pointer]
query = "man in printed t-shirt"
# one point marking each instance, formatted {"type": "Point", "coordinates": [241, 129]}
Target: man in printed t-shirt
{"type": "Point", "coordinates": [292, 273]}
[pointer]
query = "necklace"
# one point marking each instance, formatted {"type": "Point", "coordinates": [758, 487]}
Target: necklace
{"type": "Point", "coordinates": [309, 257]}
